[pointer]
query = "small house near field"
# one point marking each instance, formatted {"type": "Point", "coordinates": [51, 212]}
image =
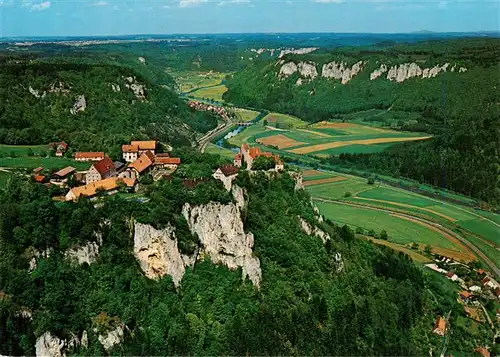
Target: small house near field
{"type": "Point", "coordinates": [440, 326]}
{"type": "Point", "coordinates": [60, 147]}
{"type": "Point", "coordinates": [89, 156]}
{"type": "Point", "coordinates": [465, 295]}
{"type": "Point", "coordinates": [226, 174]}
{"type": "Point", "coordinates": [167, 162]}
{"type": "Point", "coordinates": [62, 175]}
{"type": "Point", "coordinates": [109, 185]}
{"type": "Point", "coordinates": [101, 170]}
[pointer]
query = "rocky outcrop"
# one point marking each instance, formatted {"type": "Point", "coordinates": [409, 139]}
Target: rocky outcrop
{"type": "Point", "coordinates": [298, 51]}
{"type": "Point", "coordinates": [340, 71]}
{"type": "Point", "coordinates": [49, 345]}
{"type": "Point", "coordinates": [338, 262]}
{"type": "Point", "coordinates": [378, 72]}
{"type": "Point", "coordinates": [80, 105]}
{"type": "Point", "coordinates": [142, 60]}
{"type": "Point", "coordinates": [36, 93]}
{"type": "Point", "coordinates": [307, 70]}
{"type": "Point", "coordinates": [220, 230]}
{"type": "Point", "coordinates": [33, 255]}
{"type": "Point", "coordinates": [298, 178]}
{"type": "Point", "coordinates": [158, 253]}
{"type": "Point", "coordinates": [115, 87]}
{"type": "Point", "coordinates": [313, 230]}
{"type": "Point", "coordinates": [58, 88]}
{"type": "Point", "coordinates": [112, 338]}
{"type": "Point", "coordinates": [288, 69]}
{"type": "Point", "coordinates": [138, 89]}
{"type": "Point", "coordinates": [402, 72]}
{"type": "Point", "coordinates": [85, 254]}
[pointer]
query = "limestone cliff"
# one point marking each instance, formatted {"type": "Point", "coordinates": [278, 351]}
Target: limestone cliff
{"type": "Point", "coordinates": [220, 230]}
{"type": "Point", "coordinates": [313, 230]}
{"type": "Point", "coordinates": [48, 345]}
{"type": "Point", "coordinates": [158, 253]}
{"type": "Point", "coordinates": [340, 70]}
{"type": "Point", "coordinates": [288, 69]}
{"type": "Point", "coordinates": [112, 338]}
{"type": "Point", "coordinates": [138, 89]}
{"type": "Point", "coordinates": [405, 71]}
{"type": "Point", "coordinates": [80, 105]}
{"type": "Point", "coordinates": [307, 70]}
{"type": "Point", "coordinates": [84, 254]}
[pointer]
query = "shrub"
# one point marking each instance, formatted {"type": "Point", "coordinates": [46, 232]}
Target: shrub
{"type": "Point", "coordinates": [383, 235]}
{"type": "Point", "coordinates": [347, 194]}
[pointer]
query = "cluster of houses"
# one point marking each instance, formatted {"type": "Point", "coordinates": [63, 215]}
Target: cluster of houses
{"type": "Point", "coordinates": [248, 155]}
{"type": "Point", "coordinates": [106, 175]}
{"type": "Point", "coordinates": [221, 111]}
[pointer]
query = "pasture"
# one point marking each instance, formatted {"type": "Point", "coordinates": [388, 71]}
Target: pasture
{"type": "Point", "coordinates": [212, 93]}
{"type": "Point", "coordinates": [23, 150]}
{"type": "Point", "coordinates": [283, 121]}
{"type": "Point", "coordinates": [245, 115]}
{"type": "Point", "coordinates": [189, 80]}
{"type": "Point", "coordinates": [217, 150]}
{"type": "Point", "coordinates": [50, 163]}
{"type": "Point", "coordinates": [413, 254]}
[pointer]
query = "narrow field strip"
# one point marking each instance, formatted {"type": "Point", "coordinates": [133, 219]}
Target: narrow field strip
{"type": "Point", "coordinates": [326, 146]}
{"type": "Point", "coordinates": [308, 173]}
{"type": "Point", "coordinates": [325, 180]}
{"type": "Point", "coordinates": [465, 250]}
{"type": "Point", "coordinates": [419, 258]}
{"type": "Point", "coordinates": [323, 135]}
{"type": "Point", "coordinates": [451, 219]}
{"type": "Point", "coordinates": [281, 141]}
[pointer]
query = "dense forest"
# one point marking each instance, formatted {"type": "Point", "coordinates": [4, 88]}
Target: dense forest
{"type": "Point", "coordinates": [461, 109]}
{"type": "Point", "coordinates": [378, 303]}
{"type": "Point", "coordinates": [39, 95]}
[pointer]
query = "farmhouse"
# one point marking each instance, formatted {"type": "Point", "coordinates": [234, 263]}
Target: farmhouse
{"type": "Point", "coordinates": [143, 164]}
{"type": "Point", "coordinates": [109, 185]}
{"type": "Point", "coordinates": [130, 152]}
{"type": "Point", "coordinates": [465, 295]}
{"type": "Point", "coordinates": [238, 160]}
{"type": "Point", "coordinates": [167, 162]}
{"type": "Point", "coordinates": [61, 148]}
{"type": "Point", "coordinates": [440, 326]}
{"type": "Point", "coordinates": [226, 174]}
{"type": "Point", "coordinates": [40, 178]}
{"type": "Point", "coordinates": [62, 175]}
{"type": "Point", "coordinates": [101, 170]}
{"type": "Point", "coordinates": [452, 276]}
{"type": "Point", "coordinates": [38, 170]}
{"type": "Point", "coordinates": [144, 146]}
{"type": "Point", "coordinates": [89, 156]}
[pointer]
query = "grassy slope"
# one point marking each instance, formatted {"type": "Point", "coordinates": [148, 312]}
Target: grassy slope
{"type": "Point", "coordinates": [50, 163]}
{"type": "Point", "coordinates": [214, 93]}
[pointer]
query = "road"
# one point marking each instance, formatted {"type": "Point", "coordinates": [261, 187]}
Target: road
{"type": "Point", "coordinates": [476, 250]}
{"type": "Point", "coordinates": [205, 140]}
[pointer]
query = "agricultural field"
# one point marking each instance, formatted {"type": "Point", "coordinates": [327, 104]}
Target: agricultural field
{"type": "Point", "coordinates": [329, 138]}
{"type": "Point", "coordinates": [211, 93]}
{"type": "Point", "coordinates": [22, 150]}
{"type": "Point", "coordinates": [246, 134]}
{"type": "Point", "coordinates": [245, 115]}
{"type": "Point", "coordinates": [413, 254]}
{"type": "Point", "coordinates": [400, 230]}
{"type": "Point", "coordinates": [482, 230]}
{"type": "Point", "coordinates": [187, 81]}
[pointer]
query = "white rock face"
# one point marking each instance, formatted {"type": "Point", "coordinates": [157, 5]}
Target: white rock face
{"type": "Point", "coordinates": [299, 51]}
{"type": "Point", "coordinates": [299, 180]}
{"type": "Point", "coordinates": [158, 253]}
{"type": "Point", "coordinates": [288, 69]}
{"type": "Point", "coordinates": [115, 87]}
{"type": "Point", "coordinates": [142, 60]}
{"type": "Point", "coordinates": [307, 70]}
{"type": "Point", "coordinates": [138, 89]}
{"type": "Point", "coordinates": [36, 93]}
{"type": "Point", "coordinates": [220, 230]}
{"type": "Point", "coordinates": [462, 70]}
{"type": "Point", "coordinates": [49, 346]}
{"type": "Point", "coordinates": [112, 338]}
{"type": "Point", "coordinates": [80, 105]}
{"type": "Point", "coordinates": [85, 340]}
{"type": "Point", "coordinates": [340, 71]}
{"type": "Point", "coordinates": [339, 262]}
{"type": "Point", "coordinates": [33, 256]}
{"type": "Point", "coordinates": [310, 230]}
{"type": "Point", "coordinates": [402, 72]}
{"type": "Point", "coordinates": [86, 254]}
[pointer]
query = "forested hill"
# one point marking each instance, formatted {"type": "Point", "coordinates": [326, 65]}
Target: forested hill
{"type": "Point", "coordinates": [76, 278]}
{"type": "Point", "coordinates": [451, 87]}
{"type": "Point", "coordinates": [90, 105]}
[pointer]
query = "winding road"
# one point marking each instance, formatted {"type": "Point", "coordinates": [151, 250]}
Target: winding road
{"type": "Point", "coordinates": [476, 250]}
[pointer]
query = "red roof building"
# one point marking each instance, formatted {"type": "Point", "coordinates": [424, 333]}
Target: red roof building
{"type": "Point", "coordinates": [89, 156]}
{"type": "Point", "coordinates": [40, 178]}
{"type": "Point", "coordinates": [101, 170]}
{"type": "Point", "coordinates": [143, 163]}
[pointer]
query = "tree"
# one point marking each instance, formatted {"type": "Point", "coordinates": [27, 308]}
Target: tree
{"type": "Point", "coordinates": [372, 233]}
{"type": "Point", "coordinates": [263, 163]}
{"type": "Point", "coordinates": [359, 230]}
{"type": "Point", "coordinates": [383, 235]}
{"type": "Point", "coordinates": [371, 181]}
{"type": "Point", "coordinates": [428, 249]}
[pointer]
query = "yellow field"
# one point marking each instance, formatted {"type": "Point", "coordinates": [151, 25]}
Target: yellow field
{"type": "Point", "coordinates": [337, 144]}
{"type": "Point", "coordinates": [214, 93]}
{"type": "Point", "coordinates": [317, 133]}
{"type": "Point", "coordinates": [419, 258]}
{"type": "Point", "coordinates": [280, 141]}
{"type": "Point", "coordinates": [325, 180]}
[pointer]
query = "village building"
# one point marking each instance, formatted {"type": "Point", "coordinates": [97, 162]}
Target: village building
{"type": "Point", "coordinates": [61, 148]}
{"type": "Point", "coordinates": [490, 282]}
{"type": "Point", "coordinates": [227, 174]}
{"type": "Point", "coordinates": [119, 166]}
{"type": "Point", "coordinates": [475, 288]}
{"type": "Point", "coordinates": [40, 178]}
{"type": "Point", "coordinates": [109, 185]}
{"type": "Point", "coordinates": [38, 170]}
{"type": "Point", "coordinates": [143, 164]}
{"type": "Point", "coordinates": [62, 176]}
{"type": "Point", "coordinates": [440, 326]}
{"type": "Point", "coordinates": [249, 154]}
{"type": "Point", "coordinates": [465, 296]}
{"type": "Point", "coordinates": [167, 162]}
{"type": "Point", "coordinates": [89, 156]}
{"type": "Point", "coordinates": [452, 276]}
{"type": "Point", "coordinates": [101, 170]}
{"type": "Point", "coordinates": [130, 153]}
{"type": "Point", "coordinates": [144, 146]}
{"type": "Point", "coordinates": [482, 351]}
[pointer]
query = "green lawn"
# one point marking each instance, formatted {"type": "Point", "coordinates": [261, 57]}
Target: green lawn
{"type": "Point", "coordinates": [246, 114]}
{"type": "Point", "coordinates": [22, 150]}
{"type": "Point", "coordinates": [214, 93]}
{"type": "Point", "coordinates": [189, 80]}
{"type": "Point", "coordinates": [399, 230]}
{"type": "Point", "coordinates": [246, 134]}
{"type": "Point", "coordinates": [284, 121]}
{"type": "Point", "coordinates": [214, 149]}
{"type": "Point", "coordinates": [355, 149]}
{"type": "Point", "coordinates": [483, 228]}
{"type": "Point", "coordinates": [452, 211]}
{"type": "Point", "coordinates": [337, 190]}
{"type": "Point", "coordinates": [389, 194]}
{"type": "Point", "coordinates": [50, 163]}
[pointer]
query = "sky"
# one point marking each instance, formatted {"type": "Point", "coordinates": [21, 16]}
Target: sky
{"type": "Point", "coordinates": [116, 17]}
